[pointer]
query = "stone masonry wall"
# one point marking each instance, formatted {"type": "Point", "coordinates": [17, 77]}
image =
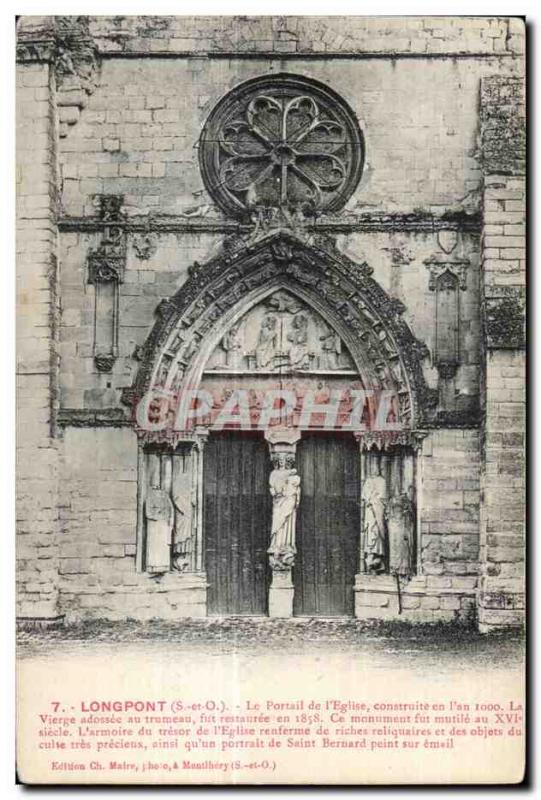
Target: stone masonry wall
{"type": "Point", "coordinates": [138, 132]}
{"type": "Point", "coordinates": [37, 449]}
{"type": "Point", "coordinates": [313, 35]}
{"type": "Point", "coordinates": [501, 597]}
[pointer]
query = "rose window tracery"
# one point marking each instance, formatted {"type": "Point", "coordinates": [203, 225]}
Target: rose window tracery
{"type": "Point", "coordinates": [281, 142]}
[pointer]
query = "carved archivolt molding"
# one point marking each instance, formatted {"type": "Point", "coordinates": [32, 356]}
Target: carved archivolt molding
{"type": "Point", "coordinates": [192, 323]}
{"type": "Point", "coordinates": [281, 141]}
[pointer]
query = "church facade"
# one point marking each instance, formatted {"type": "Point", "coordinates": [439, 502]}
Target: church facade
{"type": "Point", "coordinates": [271, 318]}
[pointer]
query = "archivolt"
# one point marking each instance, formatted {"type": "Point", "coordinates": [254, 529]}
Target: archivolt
{"type": "Point", "coordinates": [370, 323]}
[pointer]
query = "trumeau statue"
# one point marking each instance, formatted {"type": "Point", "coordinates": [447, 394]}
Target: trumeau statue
{"type": "Point", "coordinates": [400, 515]}
{"type": "Point", "coordinates": [374, 492]}
{"type": "Point", "coordinates": [284, 484]}
{"type": "Point", "coordinates": [159, 515]}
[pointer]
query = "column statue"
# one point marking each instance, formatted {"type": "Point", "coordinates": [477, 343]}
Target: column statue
{"type": "Point", "coordinates": [184, 502]}
{"type": "Point", "coordinates": [159, 523]}
{"type": "Point", "coordinates": [400, 515]}
{"type": "Point", "coordinates": [374, 493]}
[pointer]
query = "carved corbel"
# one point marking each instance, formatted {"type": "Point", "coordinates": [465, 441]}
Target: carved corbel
{"type": "Point", "coordinates": [106, 267]}
{"type": "Point", "coordinates": [384, 440]}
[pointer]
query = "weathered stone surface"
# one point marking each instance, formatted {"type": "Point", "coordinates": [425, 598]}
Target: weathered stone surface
{"type": "Point", "coordinates": [503, 125]}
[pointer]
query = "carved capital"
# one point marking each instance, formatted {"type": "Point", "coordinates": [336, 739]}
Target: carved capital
{"type": "Point", "coordinates": [77, 56]}
{"type": "Point", "coordinates": [35, 52]}
{"type": "Point", "coordinates": [383, 440]}
{"type": "Point", "coordinates": [64, 42]}
{"type": "Point", "coordinates": [282, 560]}
{"type": "Point", "coordinates": [283, 445]}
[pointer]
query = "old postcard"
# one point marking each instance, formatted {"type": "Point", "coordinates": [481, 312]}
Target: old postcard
{"type": "Point", "coordinates": [271, 398]}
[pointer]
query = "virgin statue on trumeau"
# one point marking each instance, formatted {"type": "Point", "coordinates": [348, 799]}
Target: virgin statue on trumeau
{"type": "Point", "coordinates": [284, 484]}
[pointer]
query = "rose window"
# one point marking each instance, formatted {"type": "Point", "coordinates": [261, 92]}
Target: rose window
{"type": "Point", "coordinates": [281, 142]}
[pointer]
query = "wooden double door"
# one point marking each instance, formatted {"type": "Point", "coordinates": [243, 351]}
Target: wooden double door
{"type": "Point", "coordinates": [237, 521]}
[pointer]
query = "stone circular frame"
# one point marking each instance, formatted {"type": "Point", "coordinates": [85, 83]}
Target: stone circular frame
{"type": "Point", "coordinates": [281, 142]}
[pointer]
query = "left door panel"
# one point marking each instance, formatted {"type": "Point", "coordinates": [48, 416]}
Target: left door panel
{"type": "Point", "coordinates": [237, 519]}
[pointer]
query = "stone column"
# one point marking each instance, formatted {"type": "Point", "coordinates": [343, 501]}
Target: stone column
{"type": "Point", "coordinates": [284, 486]}
{"type": "Point", "coordinates": [201, 436]}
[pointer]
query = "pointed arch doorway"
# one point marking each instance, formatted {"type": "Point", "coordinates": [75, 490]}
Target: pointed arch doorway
{"type": "Point", "coordinates": [285, 316]}
{"type": "Point", "coordinates": [280, 345]}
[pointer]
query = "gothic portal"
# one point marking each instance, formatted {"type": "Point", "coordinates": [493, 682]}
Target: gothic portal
{"type": "Point", "coordinates": [271, 343]}
{"type": "Point", "coordinates": [280, 393]}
